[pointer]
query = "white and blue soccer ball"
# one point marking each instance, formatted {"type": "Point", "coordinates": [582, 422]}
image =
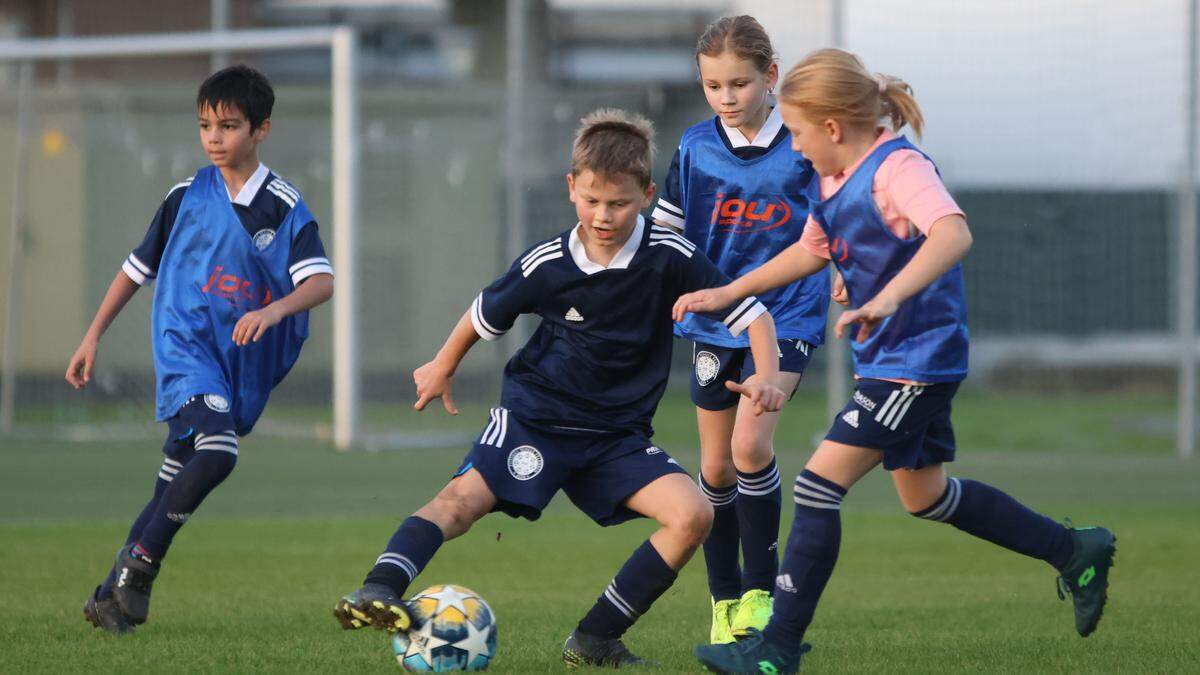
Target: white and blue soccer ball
{"type": "Point", "coordinates": [452, 629]}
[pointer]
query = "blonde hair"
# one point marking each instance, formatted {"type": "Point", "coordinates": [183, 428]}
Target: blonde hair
{"type": "Point", "coordinates": [743, 35]}
{"type": "Point", "coordinates": [834, 84]}
{"type": "Point", "coordinates": [610, 141]}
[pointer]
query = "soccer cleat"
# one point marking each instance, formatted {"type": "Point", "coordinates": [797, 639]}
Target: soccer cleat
{"type": "Point", "coordinates": [1085, 578]}
{"type": "Point", "coordinates": [722, 619]}
{"type": "Point", "coordinates": [752, 654]}
{"type": "Point", "coordinates": [106, 614]}
{"type": "Point", "coordinates": [373, 605]}
{"type": "Point", "coordinates": [135, 577]}
{"type": "Point", "coordinates": [582, 649]}
{"type": "Point", "coordinates": [754, 611]}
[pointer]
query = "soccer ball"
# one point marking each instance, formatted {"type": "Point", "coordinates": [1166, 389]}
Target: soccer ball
{"type": "Point", "coordinates": [452, 629]}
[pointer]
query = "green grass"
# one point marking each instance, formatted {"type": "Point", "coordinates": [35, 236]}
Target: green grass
{"type": "Point", "coordinates": [250, 581]}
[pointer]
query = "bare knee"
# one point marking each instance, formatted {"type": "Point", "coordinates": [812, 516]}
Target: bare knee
{"type": "Point", "coordinates": [690, 522]}
{"type": "Point", "coordinates": [916, 492]}
{"type": "Point", "coordinates": [752, 450]}
{"type": "Point", "coordinates": [718, 471]}
{"type": "Point", "coordinates": [453, 510]}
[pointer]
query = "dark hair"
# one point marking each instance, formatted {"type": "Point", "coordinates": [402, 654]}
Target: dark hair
{"type": "Point", "coordinates": [240, 87]}
{"type": "Point", "coordinates": [743, 35]}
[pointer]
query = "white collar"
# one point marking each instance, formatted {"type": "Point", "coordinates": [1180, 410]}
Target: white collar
{"type": "Point", "coordinates": [768, 132]}
{"type": "Point", "coordinates": [619, 262]}
{"type": "Point", "coordinates": [251, 188]}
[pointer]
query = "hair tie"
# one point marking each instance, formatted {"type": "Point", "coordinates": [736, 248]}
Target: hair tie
{"type": "Point", "coordinates": [882, 81]}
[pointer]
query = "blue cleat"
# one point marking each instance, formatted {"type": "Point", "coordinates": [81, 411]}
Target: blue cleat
{"type": "Point", "coordinates": [751, 654]}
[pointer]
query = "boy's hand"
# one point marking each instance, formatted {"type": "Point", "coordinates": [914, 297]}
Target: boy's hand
{"type": "Point", "coordinates": [433, 381]}
{"type": "Point", "coordinates": [707, 300]}
{"type": "Point", "coordinates": [838, 290]}
{"type": "Point", "coordinates": [765, 397]}
{"type": "Point", "coordinates": [868, 316]}
{"type": "Point", "coordinates": [252, 325]}
{"type": "Point", "coordinates": [79, 370]}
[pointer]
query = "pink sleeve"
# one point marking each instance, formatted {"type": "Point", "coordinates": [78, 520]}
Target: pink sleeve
{"type": "Point", "coordinates": [908, 190]}
{"type": "Point", "coordinates": [813, 239]}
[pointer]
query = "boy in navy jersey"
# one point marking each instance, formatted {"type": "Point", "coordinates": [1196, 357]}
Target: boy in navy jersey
{"type": "Point", "coordinates": [578, 398]}
{"type": "Point", "coordinates": [239, 263]}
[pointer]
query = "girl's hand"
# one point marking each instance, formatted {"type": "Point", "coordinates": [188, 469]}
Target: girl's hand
{"type": "Point", "coordinates": [252, 325]}
{"type": "Point", "coordinates": [868, 316]}
{"type": "Point", "coordinates": [765, 397]}
{"type": "Point", "coordinates": [838, 291]}
{"type": "Point", "coordinates": [433, 381]}
{"type": "Point", "coordinates": [79, 370]}
{"type": "Point", "coordinates": [707, 300]}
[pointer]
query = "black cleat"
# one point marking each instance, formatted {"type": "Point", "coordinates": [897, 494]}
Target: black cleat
{"type": "Point", "coordinates": [582, 649]}
{"type": "Point", "coordinates": [1085, 578]}
{"type": "Point", "coordinates": [373, 605]}
{"type": "Point", "coordinates": [752, 654]}
{"type": "Point", "coordinates": [135, 577]}
{"type": "Point", "coordinates": [106, 614]}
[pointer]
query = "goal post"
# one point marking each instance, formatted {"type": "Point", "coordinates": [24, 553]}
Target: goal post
{"type": "Point", "coordinates": [341, 41]}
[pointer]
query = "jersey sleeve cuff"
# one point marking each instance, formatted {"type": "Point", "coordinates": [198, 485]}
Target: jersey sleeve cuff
{"type": "Point", "coordinates": [137, 271]}
{"type": "Point", "coordinates": [743, 315]}
{"type": "Point", "coordinates": [309, 267]}
{"type": "Point", "coordinates": [668, 213]}
{"type": "Point", "coordinates": [485, 330]}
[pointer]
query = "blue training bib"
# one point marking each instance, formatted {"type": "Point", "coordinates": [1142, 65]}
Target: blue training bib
{"type": "Point", "coordinates": [212, 273]}
{"type": "Point", "coordinates": [742, 213]}
{"type": "Point", "coordinates": [926, 339]}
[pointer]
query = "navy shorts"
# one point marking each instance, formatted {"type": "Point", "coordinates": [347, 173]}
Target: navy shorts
{"type": "Point", "coordinates": [713, 365]}
{"type": "Point", "coordinates": [909, 423]}
{"type": "Point", "coordinates": [205, 418]}
{"type": "Point", "coordinates": [526, 464]}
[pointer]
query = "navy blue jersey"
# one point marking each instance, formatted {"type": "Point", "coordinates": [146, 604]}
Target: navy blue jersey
{"type": "Point", "coordinates": [742, 208]}
{"type": "Point", "coordinates": [926, 339]}
{"type": "Point", "coordinates": [600, 358]}
{"type": "Point", "coordinates": [261, 206]}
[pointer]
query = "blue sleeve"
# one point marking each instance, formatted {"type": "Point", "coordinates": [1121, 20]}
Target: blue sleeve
{"type": "Point", "coordinates": [142, 263]}
{"type": "Point", "coordinates": [497, 307]}
{"type": "Point", "coordinates": [307, 256]}
{"type": "Point", "coordinates": [669, 209]}
{"type": "Point", "coordinates": [699, 273]}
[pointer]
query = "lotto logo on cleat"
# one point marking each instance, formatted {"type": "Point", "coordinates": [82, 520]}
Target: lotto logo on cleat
{"type": "Point", "coordinates": [124, 576]}
{"type": "Point", "coordinates": [865, 402]}
{"type": "Point", "coordinates": [1087, 576]}
{"type": "Point", "coordinates": [767, 667]}
{"type": "Point", "coordinates": [851, 418]}
{"type": "Point", "coordinates": [573, 315]}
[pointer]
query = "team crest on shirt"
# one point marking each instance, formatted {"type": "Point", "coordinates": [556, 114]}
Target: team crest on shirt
{"type": "Point", "coordinates": [707, 367]}
{"type": "Point", "coordinates": [216, 403]}
{"type": "Point", "coordinates": [525, 462]}
{"type": "Point", "coordinates": [263, 238]}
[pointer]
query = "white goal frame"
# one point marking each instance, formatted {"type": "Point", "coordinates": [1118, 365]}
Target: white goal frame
{"type": "Point", "coordinates": [342, 44]}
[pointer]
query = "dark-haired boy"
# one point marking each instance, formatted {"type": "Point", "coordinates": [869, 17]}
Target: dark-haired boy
{"type": "Point", "coordinates": [239, 263]}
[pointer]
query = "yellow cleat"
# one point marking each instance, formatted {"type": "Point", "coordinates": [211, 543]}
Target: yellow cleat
{"type": "Point", "coordinates": [723, 613]}
{"type": "Point", "coordinates": [753, 611]}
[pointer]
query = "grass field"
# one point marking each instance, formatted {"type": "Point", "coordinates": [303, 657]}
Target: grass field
{"type": "Point", "coordinates": [250, 581]}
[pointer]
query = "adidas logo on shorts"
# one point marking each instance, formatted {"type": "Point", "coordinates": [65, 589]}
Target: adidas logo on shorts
{"type": "Point", "coordinates": [573, 315]}
{"type": "Point", "coordinates": [851, 418]}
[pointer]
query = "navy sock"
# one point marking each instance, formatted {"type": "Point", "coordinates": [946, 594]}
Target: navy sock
{"type": "Point", "coordinates": [758, 506]}
{"type": "Point", "coordinates": [205, 471]}
{"type": "Point", "coordinates": [642, 579]}
{"type": "Point", "coordinates": [408, 552]}
{"type": "Point", "coordinates": [812, 552]}
{"type": "Point", "coordinates": [166, 474]}
{"type": "Point", "coordinates": [985, 512]}
{"type": "Point", "coordinates": [721, 546]}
